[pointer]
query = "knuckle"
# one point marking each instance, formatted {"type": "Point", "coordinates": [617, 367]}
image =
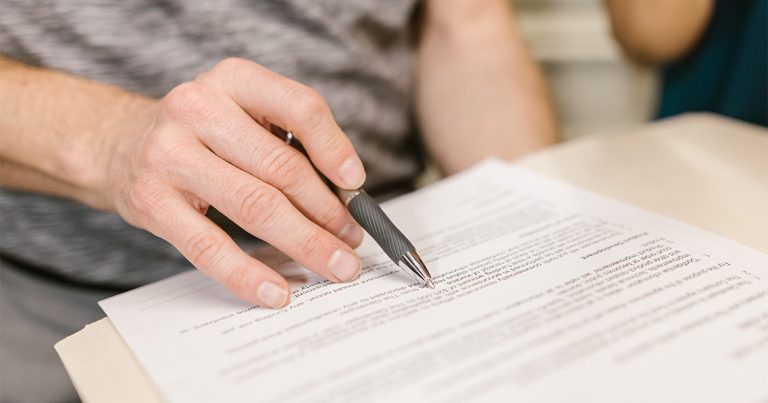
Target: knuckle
{"type": "Point", "coordinates": [258, 204]}
{"type": "Point", "coordinates": [237, 279]}
{"type": "Point", "coordinates": [313, 244]}
{"type": "Point", "coordinates": [202, 250]}
{"type": "Point", "coordinates": [146, 196]}
{"type": "Point", "coordinates": [185, 100]}
{"type": "Point", "coordinates": [230, 64]}
{"type": "Point", "coordinates": [332, 216]}
{"type": "Point", "coordinates": [284, 167]}
{"type": "Point", "coordinates": [233, 73]}
{"type": "Point", "coordinates": [337, 143]}
{"type": "Point", "coordinates": [308, 106]}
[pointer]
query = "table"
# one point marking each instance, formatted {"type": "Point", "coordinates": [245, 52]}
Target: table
{"type": "Point", "coordinates": [701, 169]}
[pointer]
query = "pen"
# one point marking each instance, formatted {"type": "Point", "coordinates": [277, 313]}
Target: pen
{"type": "Point", "coordinates": [375, 222]}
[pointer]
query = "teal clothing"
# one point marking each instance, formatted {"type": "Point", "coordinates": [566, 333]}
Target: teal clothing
{"type": "Point", "coordinates": [726, 71]}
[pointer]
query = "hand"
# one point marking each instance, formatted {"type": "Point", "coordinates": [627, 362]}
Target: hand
{"type": "Point", "coordinates": [207, 143]}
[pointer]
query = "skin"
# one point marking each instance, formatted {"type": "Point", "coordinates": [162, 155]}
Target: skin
{"type": "Point", "coordinates": [658, 31]}
{"type": "Point", "coordinates": [479, 93]}
{"type": "Point", "coordinates": [160, 163]}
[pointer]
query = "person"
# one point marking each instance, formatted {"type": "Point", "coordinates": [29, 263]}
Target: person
{"type": "Point", "coordinates": [712, 54]}
{"type": "Point", "coordinates": [135, 138]}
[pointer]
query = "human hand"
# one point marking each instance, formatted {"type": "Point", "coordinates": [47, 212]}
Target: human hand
{"type": "Point", "coordinates": [207, 143]}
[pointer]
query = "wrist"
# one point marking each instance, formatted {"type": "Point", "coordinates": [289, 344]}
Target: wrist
{"type": "Point", "coordinates": [109, 142]}
{"type": "Point", "coordinates": [56, 130]}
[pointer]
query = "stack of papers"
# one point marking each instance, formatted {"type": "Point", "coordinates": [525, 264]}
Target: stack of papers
{"type": "Point", "coordinates": [544, 292]}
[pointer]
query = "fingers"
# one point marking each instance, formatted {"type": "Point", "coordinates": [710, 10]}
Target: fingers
{"type": "Point", "coordinates": [234, 136]}
{"type": "Point", "coordinates": [265, 186]}
{"type": "Point", "coordinates": [213, 252]}
{"type": "Point", "coordinates": [270, 97]}
{"type": "Point", "coordinates": [266, 213]}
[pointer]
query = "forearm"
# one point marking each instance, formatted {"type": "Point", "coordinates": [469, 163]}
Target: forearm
{"type": "Point", "coordinates": [479, 93]}
{"type": "Point", "coordinates": [22, 177]}
{"type": "Point", "coordinates": [51, 129]}
{"type": "Point", "coordinates": [658, 31]}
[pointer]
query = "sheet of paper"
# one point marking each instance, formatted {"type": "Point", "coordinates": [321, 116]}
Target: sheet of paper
{"type": "Point", "coordinates": [544, 293]}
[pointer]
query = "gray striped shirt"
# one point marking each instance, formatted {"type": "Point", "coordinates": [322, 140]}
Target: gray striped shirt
{"type": "Point", "coordinates": [357, 53]}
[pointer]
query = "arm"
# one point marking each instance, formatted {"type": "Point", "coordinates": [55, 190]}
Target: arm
{"type": "Point", "coordinates": [658, 31]}
{"type": "Point", "coordinates": [479, 93]}
{"type": "Point", "coordinates": [161, 163]}
{"type": "Point", "coordinates": [52, 125]}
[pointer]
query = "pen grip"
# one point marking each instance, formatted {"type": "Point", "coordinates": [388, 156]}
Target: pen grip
{"type": "Point", "coordinates": [363, 209]}
{"type": "Point", "coordinates": [369, 215]}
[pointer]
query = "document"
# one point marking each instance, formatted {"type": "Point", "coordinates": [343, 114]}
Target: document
{"type": "Point", "coordinates": [544, 292]}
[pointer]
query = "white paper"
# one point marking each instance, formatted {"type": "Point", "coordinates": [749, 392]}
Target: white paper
{"type": "Point", "coordinates": [544, 293]}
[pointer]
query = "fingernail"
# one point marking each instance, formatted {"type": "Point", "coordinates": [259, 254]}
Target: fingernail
{"type": "Point", "coordinates": [344, 265]}
{"type": "Point", "coordinates": [272, 295]}
{"type": "Point", "coordinates": [351, 234]}
{"type": "Point", "coordinates": [352, 173]}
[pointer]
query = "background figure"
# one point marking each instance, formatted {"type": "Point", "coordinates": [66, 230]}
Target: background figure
{"type": "Point", "coordinates": [712, 54]}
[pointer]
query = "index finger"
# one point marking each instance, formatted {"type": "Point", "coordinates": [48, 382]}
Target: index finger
{"type": "Point", "coordinates": [214, 253]}
{"type": "Point", "coordinates": [271, 98]}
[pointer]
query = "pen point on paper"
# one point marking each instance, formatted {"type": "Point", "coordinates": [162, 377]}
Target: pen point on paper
{"type": "Point", "coordinates": [430, 283]}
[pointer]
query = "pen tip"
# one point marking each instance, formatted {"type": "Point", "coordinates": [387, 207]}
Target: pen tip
{"type": "Point", "coordinates": [430, 283]}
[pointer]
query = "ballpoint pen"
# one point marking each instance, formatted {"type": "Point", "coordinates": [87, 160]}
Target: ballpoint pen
{"type": "Point", "coordinates": [375, 222]}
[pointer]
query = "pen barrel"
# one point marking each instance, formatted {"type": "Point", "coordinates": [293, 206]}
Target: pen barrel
{"type": "Point", "coordinates": [369, 215]}
{"type": "Point", "coordinates": [363, 209]}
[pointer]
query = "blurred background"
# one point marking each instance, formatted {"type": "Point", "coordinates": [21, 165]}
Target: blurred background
{"type": "Point", "coordinates": [595, 88]}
